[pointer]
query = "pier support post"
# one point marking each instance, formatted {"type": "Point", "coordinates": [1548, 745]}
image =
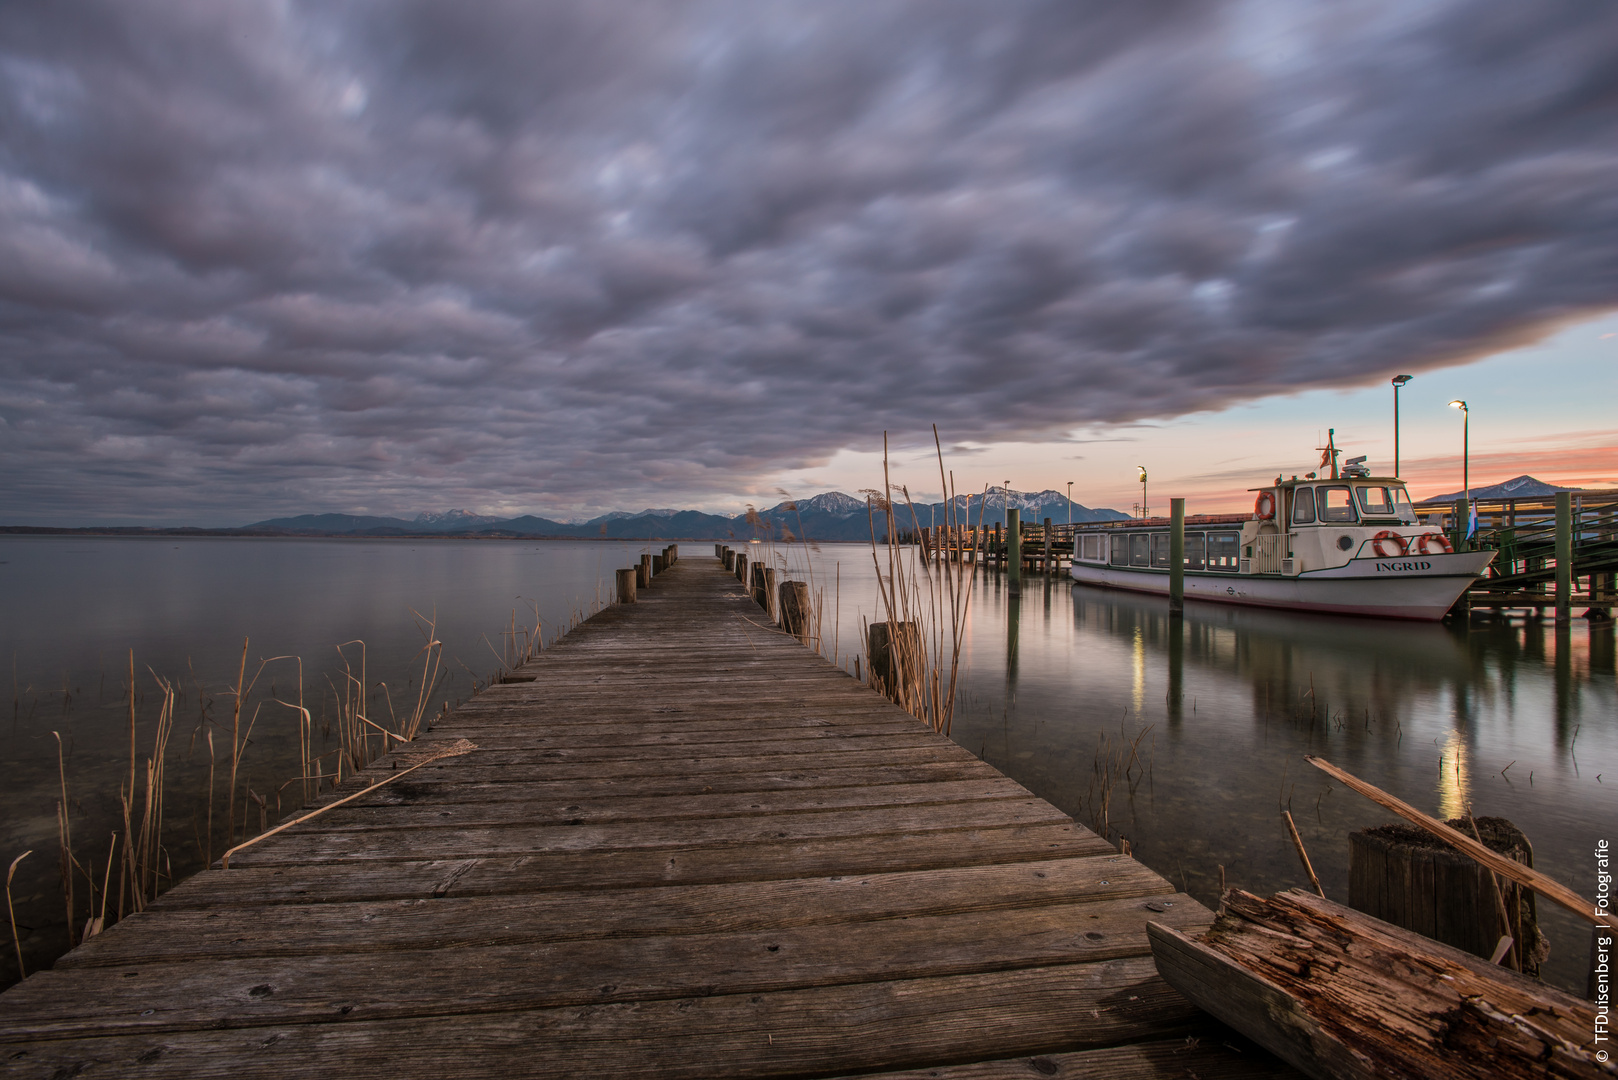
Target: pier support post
{"type": "Point", "coordinates": [1176, 556]}
{"type": "Point", "coordinates": [730, 559]}
{"type": "Point", "coordinates": [1013, 551]}
{"type": "Point", "coordinates": [795, 609]}
{"type": "Point", "coordinates": [643, 572]}
{"type": "Point", "coordinates": [626, 585]}
{"type": "Point", "coordinates": [1564, 556]}
{"type": "Point", "coordinates": [766, 598]}
{"type": "Point", "coordinates": [1047, 562]}
{"type": "Point", "coordinates": [741, 568]}
{"type": "Point", "coordinates": [658, 565]}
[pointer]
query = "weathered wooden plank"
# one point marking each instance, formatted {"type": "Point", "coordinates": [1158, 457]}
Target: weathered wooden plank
{"type": "Point", "coordinates": [459, 978]}
{"type": "Point", "coordinates": [1209, 1054]}
{"type": "Point", "coordinates": [455, 921]}
{"type": "Point", "coordinates": [804, 776]}
{"type": "Point", "coordinates": [824, 1030]}
{"type": "Point", "coordinates": [471, 876]}
{"type": "Point", "coordinates": [416, 809]}
{"type": "Point", "coordinates": [306, 846]}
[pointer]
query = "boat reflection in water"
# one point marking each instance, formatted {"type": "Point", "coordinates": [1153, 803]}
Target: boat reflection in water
{"type": "Point", "coordinates": [1511, 718]}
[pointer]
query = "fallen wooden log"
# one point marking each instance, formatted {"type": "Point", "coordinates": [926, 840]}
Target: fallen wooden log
{"type": "Point", "coordinates": [1338, 994]}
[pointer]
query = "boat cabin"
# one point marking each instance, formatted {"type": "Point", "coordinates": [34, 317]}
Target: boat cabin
{"type": "Point", "coordinates": [1296, 525]}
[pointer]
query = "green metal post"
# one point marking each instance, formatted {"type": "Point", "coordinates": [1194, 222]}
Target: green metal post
{"type": "Point", "coordinates": [1176, 556]}
{"type": "Point", "coordinates": [1013, 551]}
{"type": "Point", "coordinates": [1458, 540]}
{"type": "Point", "coordinates": [1564, 556]}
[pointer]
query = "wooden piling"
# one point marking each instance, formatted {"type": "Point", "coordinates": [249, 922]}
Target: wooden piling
{"type": "Point", "coordinates": [657, 565]}
{"type": "Point", "coordinates": [626, 585]}
{"type": "Point", "coordinates": [794, 608]}
{"type": "Point", "coordinates": [1013, 551]}
{"type": "Point", "coordinates": [888, 644]}
{"type": "Point", "coordinates": [1403, 875]}
{"type": "Point", "coordinates": [741, 568]}
{"type": "Point", "coordinates": [1176, 556]}
{"type": "Point", "coordinates": [1564, 556]}
{"type": "Point", "coordinates": [1046, 564]}
{"type": "Point", "coordinates": [643, 572]}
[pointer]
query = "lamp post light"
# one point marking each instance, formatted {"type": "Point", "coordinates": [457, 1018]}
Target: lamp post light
{"type": "Point", "coordinates": [1145, 513]}
{"type": "Point", "coordinates": [1398, 381]}
{"type": "Point", "coordinates": [1466, 463]}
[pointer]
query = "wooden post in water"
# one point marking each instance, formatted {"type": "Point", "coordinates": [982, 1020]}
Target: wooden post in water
{"type": "Point", "coordinates": [626, 585]}
{"type": "Point", "coordinates": [1047, 562]}
{"type": "Point", "coordinates": [730, 559]}
{"type": "Point", "coordinates": [643, 572]}
{"type": "Point", "coordinates": [1013, 551]}
{"type": "Point", "coordinates": [657, 565]}
{"type": "Point", "coordinates": [1564, 556]}
{"type": "Point", "coordinates": [1404, 876]}
{"type": "Point", "coordinates": [1176, 556]}
{"type": "Point", "coordinates": [891, 648]}
{"type": "Point", "coordinates": [741, 568]}
{"type": "Point", "coordinates": [795, 609]}
{"type": "Point", "coordinates": [766, 598]}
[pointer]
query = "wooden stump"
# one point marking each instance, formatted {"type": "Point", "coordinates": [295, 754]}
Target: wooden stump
{"type": "Point", "coordinates": [657, 565]}
{"type": "Point", "coordinates": [755, 585]}
{"type": "Point", "coordinates": [643, 572]}
{"type": "Point", "coordinates": [1408, 877]}
{"type": "Point", "coordinates": [626, 585]}
{"type": "Point", "coordinates": [741, 568]}
{"type": "Point", "coordinates": [730, 559]}
{"type": "Point", "coordinates": [894, 651]}
{"type": "Point", "coordinates": [794, 609]}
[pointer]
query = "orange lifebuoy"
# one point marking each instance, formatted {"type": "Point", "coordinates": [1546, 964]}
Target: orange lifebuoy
{"type": "Point", "coordinates": [1439, 539]}
{"type": "Point", "coordinates": [1264, 506]}
{"type": "Point", "coordinates": [1398, 542]}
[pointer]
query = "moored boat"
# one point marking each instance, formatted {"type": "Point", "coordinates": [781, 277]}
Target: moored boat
{"type": "Point", "coordinates": [1347, 545]}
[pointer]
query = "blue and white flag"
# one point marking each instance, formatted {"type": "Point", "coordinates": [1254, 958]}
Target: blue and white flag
{"type": "Point", "coordinates": [1471, 519]}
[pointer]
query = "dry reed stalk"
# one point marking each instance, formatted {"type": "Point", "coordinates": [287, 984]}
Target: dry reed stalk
{"type": "Point", "coordinates": [454, 749]}
{"type": "Point", "coordinates": [1297, 843]}
{"type": "Point", "coordinates": [64, 836]}
{"type": "Point", "coordinates": [235, 754]}
{"type": "Point", "coordinates": [16, 942]}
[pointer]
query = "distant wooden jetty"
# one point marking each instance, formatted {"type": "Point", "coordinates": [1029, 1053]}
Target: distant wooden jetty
{"type": "Point", "coordinates": [684, 846]}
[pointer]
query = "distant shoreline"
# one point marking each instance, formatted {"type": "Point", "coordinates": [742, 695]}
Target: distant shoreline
{"type": "Point", "coordinates": [139, 532]}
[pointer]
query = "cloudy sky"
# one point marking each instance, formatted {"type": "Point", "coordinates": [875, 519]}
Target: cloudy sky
{"type": "Point", "coordinates": [558, 257]}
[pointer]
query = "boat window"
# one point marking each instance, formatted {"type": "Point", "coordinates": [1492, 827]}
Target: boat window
{"type": "Point", "coordinates": [1225, 550]}
{"type": "Point", "coordinates": [1336, 504]}
{"type": "Point", "coordinates": [1160, 550]}
{"type": "Point", "coordinates": [1120, 551]}
{"type": "Point", "coordinates": [1140, 550]}
{"type": "Point", "coordinates": [1407, 513]}
{"type": "Point", "coordinates": [1303, 506]}
{"type": "Point", "coordinates": [1193, 551]}
{"type": "Point", "coordinates": [1375, 501]}
{"type": "Point", "coordinates": [1090, 547]}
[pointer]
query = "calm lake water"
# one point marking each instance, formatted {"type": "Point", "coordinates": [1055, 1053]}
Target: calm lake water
{"type": "Point", "coordinates": [1518, 719]}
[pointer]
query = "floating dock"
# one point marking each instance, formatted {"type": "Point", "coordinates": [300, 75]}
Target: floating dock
{"type": "Point", "coordinates": [685, 846]}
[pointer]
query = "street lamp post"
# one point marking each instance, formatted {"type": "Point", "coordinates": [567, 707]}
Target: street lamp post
{"type": "Point", "coordinates": [1070, 503]}
{"type": "Point", "coordinates": [1398, 381]}
{"type": "Point", "coordinates": [1466, 463]}
{"type": "Point", "coordinates": [1145, 513]}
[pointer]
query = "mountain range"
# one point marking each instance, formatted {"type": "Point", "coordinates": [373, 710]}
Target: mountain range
{"type": "Point", "coordinates": [831, 516]}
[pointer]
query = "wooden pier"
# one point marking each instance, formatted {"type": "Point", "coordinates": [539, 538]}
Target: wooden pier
{"type": "Point", "coordinates": [685, 846]}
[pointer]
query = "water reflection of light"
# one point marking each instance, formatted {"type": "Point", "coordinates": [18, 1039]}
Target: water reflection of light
{"type": "Point", "coordinates": [1455, 781]}
{"type": "Point", "coordinates": [1138, 655]}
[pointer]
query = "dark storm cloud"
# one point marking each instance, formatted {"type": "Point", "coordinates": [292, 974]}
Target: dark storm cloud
{"type": "Point", "coordinates": [268, 257]}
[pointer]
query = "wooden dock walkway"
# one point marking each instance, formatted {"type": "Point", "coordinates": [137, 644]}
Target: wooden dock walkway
{"type": "Point", "coordinates": [689, 847]}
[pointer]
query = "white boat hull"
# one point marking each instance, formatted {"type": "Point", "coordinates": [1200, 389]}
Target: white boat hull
{"type": "Point", "coordinates": [1418, 587]}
